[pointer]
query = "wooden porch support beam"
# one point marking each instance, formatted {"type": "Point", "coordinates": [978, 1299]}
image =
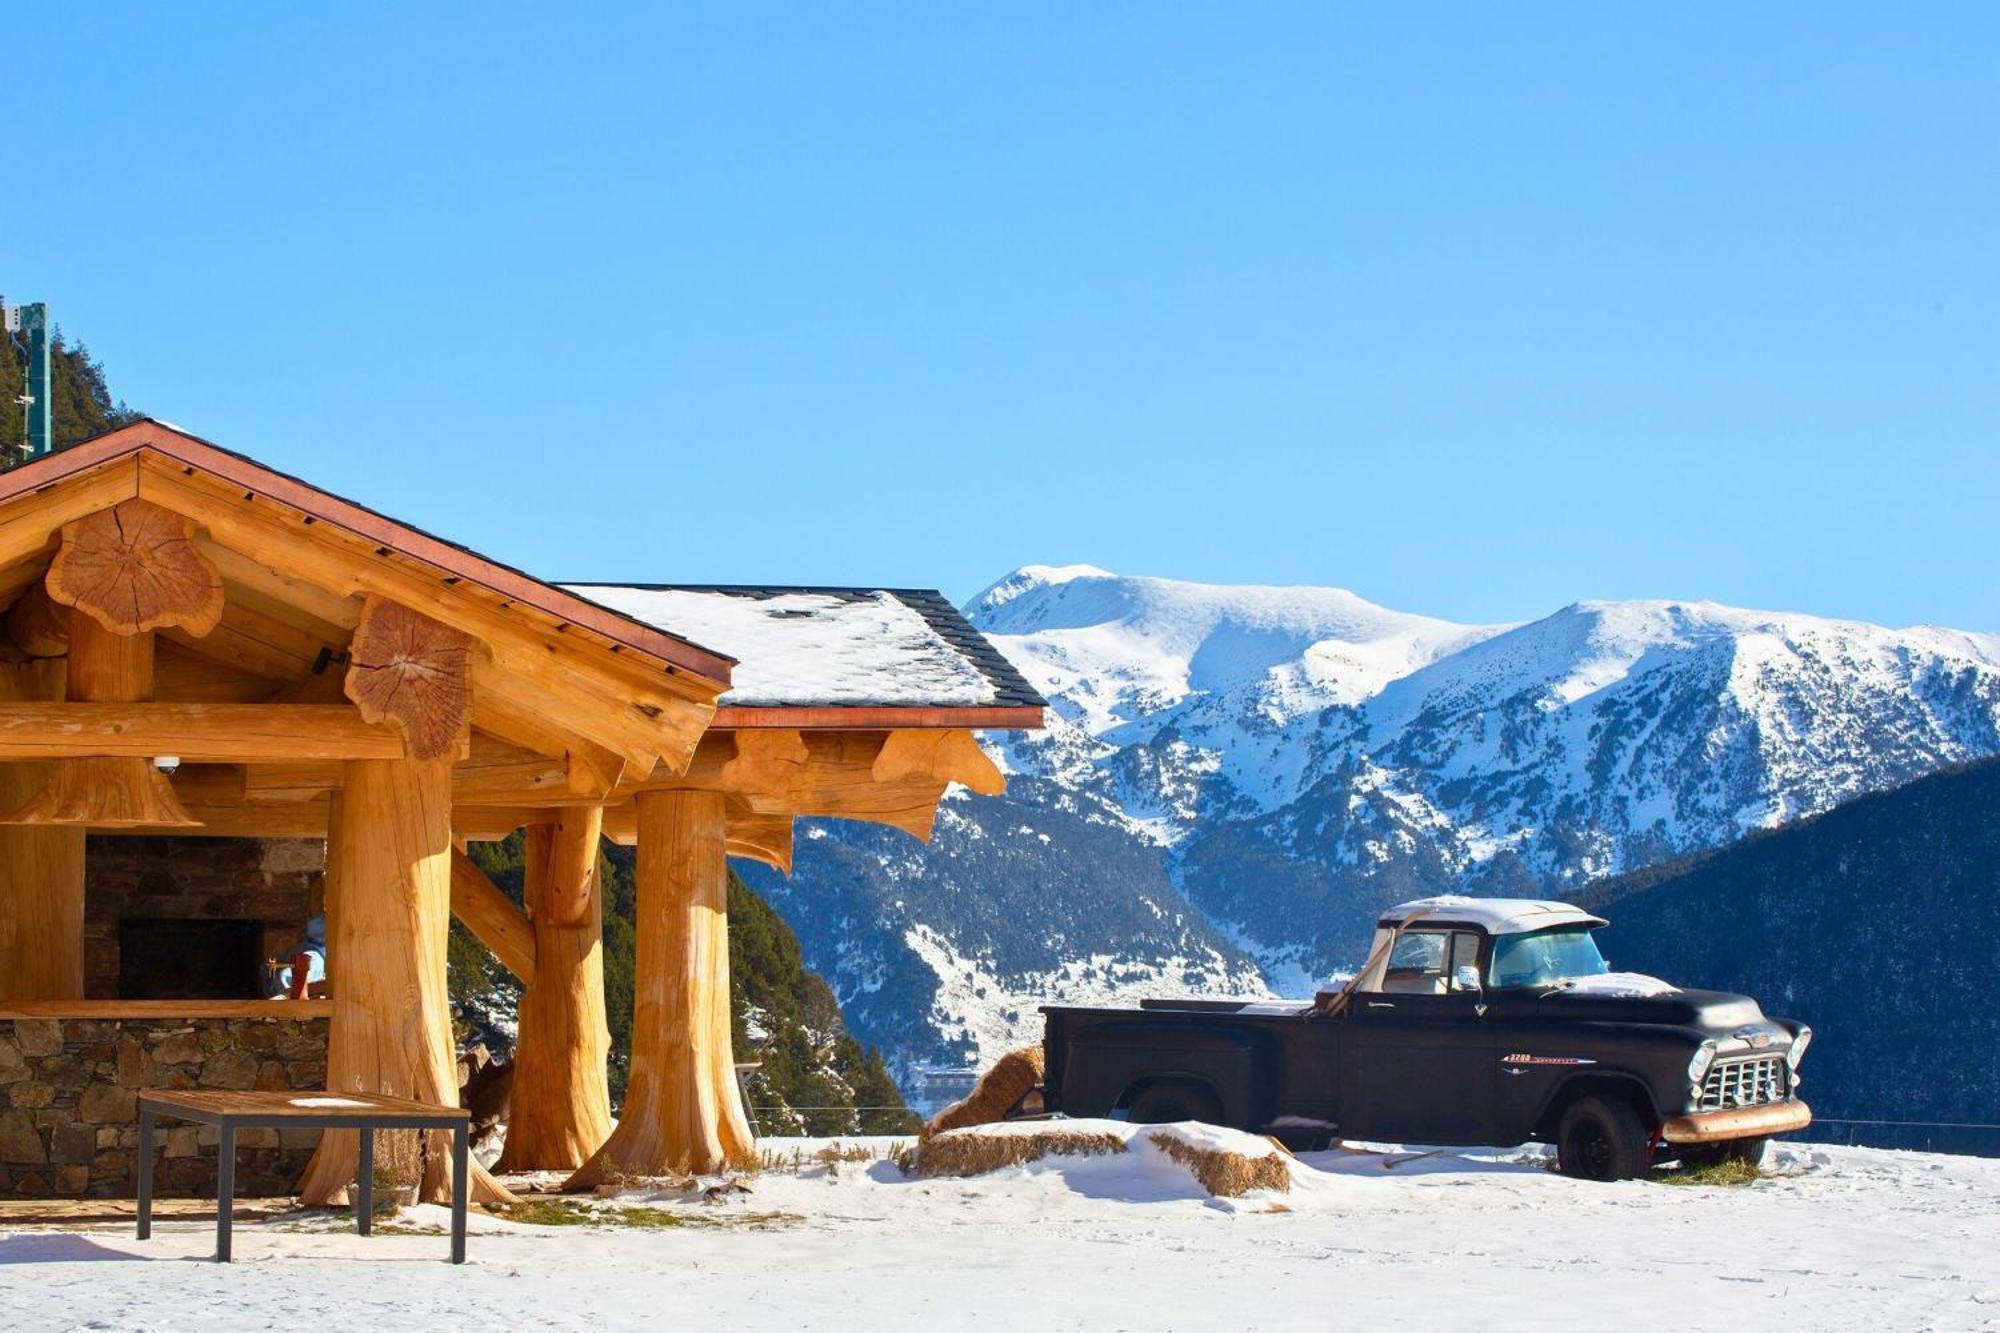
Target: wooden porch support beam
{"type": "Point", "coordinates": [492, 918]}
{"type": "Point", "coordinates": [388, 907]}
{"type": "Point", "coordinates": [682, 1111]}
{"type": "Point", "coordinates": [197, 733]}
{"type": "Point", "coordinates": [41, 872]}
{"type": "Point", "coordinates": [561, 1110]}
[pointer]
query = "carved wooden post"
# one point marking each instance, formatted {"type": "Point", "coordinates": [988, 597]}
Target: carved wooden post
{"type": "Point", "coordinates": [41, 870]}
{"type": "Point", "coordinates": [682, 1111]}
{"type": "Point", "coordinates": [388, 898]}
{"type": "Point", "coordinates": [561, 1110]}
{"type": "Point", "coordinates": [388, 893]}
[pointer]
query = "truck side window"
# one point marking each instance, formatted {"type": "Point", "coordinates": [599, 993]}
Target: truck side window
{"type": "Point", "coordinates": [1464, 951]}
{"type": "Point", "coordinates": [1417, 963]}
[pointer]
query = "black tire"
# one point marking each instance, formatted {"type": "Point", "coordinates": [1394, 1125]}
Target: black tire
{"type": "Point", "coordinates": [1603, 1138]}
{"type": "Point", "coordinates": [1750, 1152]}
{"type": "Point", "coordinates": [1166, 1102]}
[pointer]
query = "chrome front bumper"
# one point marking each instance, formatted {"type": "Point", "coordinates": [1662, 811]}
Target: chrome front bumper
{"type": "Point", "coordinates": [1743, 1122]}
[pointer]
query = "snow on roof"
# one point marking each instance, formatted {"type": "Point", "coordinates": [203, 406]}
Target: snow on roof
{"type": "Point", "coordinates": [830, 647]}
{"type": "Point", "coordinates": [1497, 916]}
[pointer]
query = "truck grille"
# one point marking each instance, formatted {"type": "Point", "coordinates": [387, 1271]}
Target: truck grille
{"type": "Point", "coordinates": [1755, 1081]}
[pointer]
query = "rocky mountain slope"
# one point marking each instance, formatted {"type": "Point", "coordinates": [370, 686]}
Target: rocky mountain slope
{"type": "Point", "coordinates": [1236, 779]}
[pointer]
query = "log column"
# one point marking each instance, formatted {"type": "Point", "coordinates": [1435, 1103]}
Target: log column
{"type": "Point", "coordinates": [41, 869]}
{"type": "Point", "coordinates": [388, 900]}
{"type": "Point", "coordinates": [561, 1107]}
{"type": "Point", "coordinates": [682, 1112]}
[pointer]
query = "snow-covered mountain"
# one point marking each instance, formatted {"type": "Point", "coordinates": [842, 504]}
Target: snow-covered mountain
{"type": "Point", "coordinates": [1236, 779]}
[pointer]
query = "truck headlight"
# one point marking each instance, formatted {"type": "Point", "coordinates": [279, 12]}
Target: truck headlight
{"type": "Point", "coordinates": [1704, 1056]}
{"type": "Point", "coordinates": [1798, 1051]}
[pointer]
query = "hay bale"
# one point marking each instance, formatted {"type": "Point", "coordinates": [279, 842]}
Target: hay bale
{"type": "Point", "coordinates": [1225, 1174]}
{"type": "Point", "coordinates": [968, 1152]}
{"type": "Point", "coordinates": [1012, 1076]}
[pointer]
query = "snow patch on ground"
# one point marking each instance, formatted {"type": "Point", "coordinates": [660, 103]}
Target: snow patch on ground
{"type": "Point", "coordinates": [1833, 1238]}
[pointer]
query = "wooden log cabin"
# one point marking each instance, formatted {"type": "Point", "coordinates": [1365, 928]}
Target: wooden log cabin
{"type": "Point", "coordinates": [202, 653]}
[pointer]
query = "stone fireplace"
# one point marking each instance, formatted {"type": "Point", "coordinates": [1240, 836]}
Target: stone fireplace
{"type": "Point", "coordinates": [194, 918]}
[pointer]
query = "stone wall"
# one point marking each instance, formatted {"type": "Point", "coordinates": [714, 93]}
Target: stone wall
{"type": "Point", "coordinates": [280, 882]}
{"type": "Point", "coordinates": [68, 1090]}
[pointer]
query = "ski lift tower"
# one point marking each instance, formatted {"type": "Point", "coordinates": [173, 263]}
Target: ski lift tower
{"type": "Point", "coordinates": [30, 323]}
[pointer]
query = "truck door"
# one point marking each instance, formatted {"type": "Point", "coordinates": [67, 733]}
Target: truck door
{"type": "Point", "coordinates": [1416, 1057]}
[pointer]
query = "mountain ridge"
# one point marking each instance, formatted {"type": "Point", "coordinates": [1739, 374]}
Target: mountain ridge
{"type": "Point", "coordinates": [1265, 768]}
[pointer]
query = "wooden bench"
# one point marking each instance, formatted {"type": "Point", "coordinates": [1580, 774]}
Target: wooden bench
{"type": "Point", "coordinates": [367, 1112]}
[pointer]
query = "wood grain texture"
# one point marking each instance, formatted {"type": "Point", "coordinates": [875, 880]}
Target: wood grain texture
{"type": "Point", "coordinates": [492, 918]}
{"type": "Point", "coordinates": [41, 870]}
{"type": "Point", "coordinates": [416, 672]}
{"type": "Point", "coordinates": [598, 689]}
{"type": "Point", "coordinates": [943, 756]}
{"type": "Point", "coordinates": [105, 668]}
{"type": "Point", "coordinates": [198, 733]}
{"type": "Point", "coordinates": [134, 568]}
{"type": "Point", "coordinates": [388, 907]}
{"type": "Point", "coordinates": [38, 624]}
{"type": "Point", "coordinates": [561, 1110]}
{"type": "Point", "coordinates": [682, 1111]}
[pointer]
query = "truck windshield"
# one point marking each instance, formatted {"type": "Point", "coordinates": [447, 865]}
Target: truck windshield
{"type": "Point", "coordinates": [1546, 957]}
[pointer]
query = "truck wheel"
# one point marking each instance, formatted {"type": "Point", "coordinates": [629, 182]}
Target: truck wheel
{"type": "Point", "coordinates": [1602, 1138]}
{"type": "Point", "coordinates": [1165, 1103]}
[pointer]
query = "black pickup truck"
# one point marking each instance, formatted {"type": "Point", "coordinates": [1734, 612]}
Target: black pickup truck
{"type": "Point", "coordinates": [1473, 1021]}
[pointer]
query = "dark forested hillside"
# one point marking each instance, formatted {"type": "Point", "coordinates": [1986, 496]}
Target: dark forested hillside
{"type": "Point", "coordinates": [815, 1077]}
{"type": "Point", "coordinates": [1878, 923]}
{"type": "Point", "coordinates": [84, 405]}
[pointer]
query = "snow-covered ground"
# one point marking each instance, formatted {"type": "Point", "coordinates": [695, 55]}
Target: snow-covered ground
{"type": "Point", "coordinates": [1836, 1238]}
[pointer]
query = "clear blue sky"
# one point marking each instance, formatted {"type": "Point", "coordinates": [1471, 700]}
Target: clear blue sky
{"type": "Point", "coordinates": [1476, 310]}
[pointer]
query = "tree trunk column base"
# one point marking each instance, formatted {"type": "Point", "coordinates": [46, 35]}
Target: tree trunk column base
{"type": "Point", "coordinates": [683, 1112]}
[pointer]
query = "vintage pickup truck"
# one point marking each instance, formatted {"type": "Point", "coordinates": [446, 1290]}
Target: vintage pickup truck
{"type": "Point", "coordinates": [1473, 1021]}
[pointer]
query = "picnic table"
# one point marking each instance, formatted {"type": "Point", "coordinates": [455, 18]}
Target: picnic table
{"type": "Point", "coordinates": [365, 1111]}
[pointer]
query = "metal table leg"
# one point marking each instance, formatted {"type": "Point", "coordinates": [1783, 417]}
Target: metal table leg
{"type": "Point", "coordinates": [225, 1188]}
{"type": "Point", "coordinates": [461, 1186]}
{"type": "Point", "coordinates": [364, 1185]}
{"type": "Point", "coordinates": [145, 1173]}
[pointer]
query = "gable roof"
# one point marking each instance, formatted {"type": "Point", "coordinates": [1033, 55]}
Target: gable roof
{"type": "Point", "coordinates": [839, 656]}
{"type": "Point", "coordinates": [453, 561]}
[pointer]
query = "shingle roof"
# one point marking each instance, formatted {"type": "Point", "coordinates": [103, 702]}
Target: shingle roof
{"type": "Point", "coordinates": [833, 648]}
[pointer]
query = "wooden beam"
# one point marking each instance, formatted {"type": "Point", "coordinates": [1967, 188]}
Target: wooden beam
{"type": "Point", "coordinates": [413, 671]}
{"type": "Point", "coordinates": [682, 1110]}
{"type": "Point", "coordinates": [197, 733]}
{"type": "Point", "coordinates": [561, 1109]}
{"type": "Point", "coordinates": [388, 901]}
{"type": "Point", "coordinates": [647, 713]}
{"type": "Point", "coordinates": [41, 870]}
{"type": "Point", "coordinates": [134, 568]}
{"type": "Point", "coordinates": [758, 837]}
{"type": "Point", "coordinates": [106, 670]}
{"type": "Point", "coordinates": [183, 676]}
{"type": "Point", "coordinates": [838, 780]}
{"type": "Point", "coordinates": [592, 769]}
{"type": "Point", "coordinates": [943, 756]}
{"type": "Point", "coordinates": [28, 521]}
{"type": "Point", "coordinates": [492, 917]}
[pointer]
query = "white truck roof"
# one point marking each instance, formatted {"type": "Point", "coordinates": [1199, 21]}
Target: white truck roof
{"type": "Point", "coordinates": [1496, 916]}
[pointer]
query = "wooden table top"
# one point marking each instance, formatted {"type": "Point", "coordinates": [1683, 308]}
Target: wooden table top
{"type": "Point", "coordinates": [304, 1104]}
